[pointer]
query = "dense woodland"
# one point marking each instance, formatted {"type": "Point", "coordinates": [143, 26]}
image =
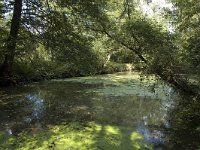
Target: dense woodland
{"type": "Point", "coordinates": [54, 39]}
{"type": "Point", "coordinates": [57, 39]}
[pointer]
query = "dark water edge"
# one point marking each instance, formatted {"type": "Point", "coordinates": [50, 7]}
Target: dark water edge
{"type": "Point", "coordinates": [104, 112]}
{"type": "Point", "coordinates": [185, 123]}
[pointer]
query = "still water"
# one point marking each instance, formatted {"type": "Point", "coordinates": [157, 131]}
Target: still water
{"type": "Point", "coordinates": [117, 111]}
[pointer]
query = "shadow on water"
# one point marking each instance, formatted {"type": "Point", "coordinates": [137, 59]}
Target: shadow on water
{"type": "Point", "coordinates": [184, 131]}
{"type": "Point", "coordinates": [104, 112]}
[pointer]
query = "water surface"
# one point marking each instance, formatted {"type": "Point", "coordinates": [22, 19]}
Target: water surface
{"type": "Point", "coordinates": [117, 111]}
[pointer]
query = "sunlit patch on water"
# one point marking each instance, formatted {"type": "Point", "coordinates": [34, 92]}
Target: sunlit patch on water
{"type": "Point", "coordinates": [129, 113]}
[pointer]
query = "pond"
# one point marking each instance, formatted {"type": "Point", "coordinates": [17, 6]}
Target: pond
{"type": "Point", "coordinates": [118, 111]}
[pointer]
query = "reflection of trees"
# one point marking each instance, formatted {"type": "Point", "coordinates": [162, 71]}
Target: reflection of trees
{"type": "Point", "coordinates": [67, 102]}
{"type": "Point", "coordinates": [184, 124]}
{"type": "Point", "coordinates": [127, 110]}
{"type": "Point", "coordinates": [143, 114]}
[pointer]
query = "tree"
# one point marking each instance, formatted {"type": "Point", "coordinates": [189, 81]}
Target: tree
{"type": "Point", "coordinates": [6, 68]}
{"type": "Point", "coordinates": [41, 18]}
{"type": "Point", "coordinates": [152, 43]}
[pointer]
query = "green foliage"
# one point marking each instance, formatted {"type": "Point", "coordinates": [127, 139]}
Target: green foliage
{"type": "Point", "coordinates": [34, 71]}
{"type": "Point", "coordinates": [187, 26]}
{"type": "Point", "coordinates": [60, 39]}
{"type": "Point", "coordinates": [185, 123]}
{"type": "Point", "coordinates": [3, 34]}
{"type": "Point", "coordinates": [23, 70]}
{"type": "Point", "coordinates": [79, 38]}
{"type": "Point", "coordinates": [187, 14]}
{"type": "Point", "coordinates": [112, 67]}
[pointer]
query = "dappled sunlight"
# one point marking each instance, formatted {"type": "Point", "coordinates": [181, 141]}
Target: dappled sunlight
{"type": "Point", "coordinates": [79, 136]}
{"type": "Point", "coordinates": [99, 74]}
{"type": "Point", "coordinates": [136, 136]}
{"type": "Point", "coordinates": [137, 140]}
{"type": "Point", "coordinates": [112, 135]}
{"type": "Point", "coordinates": [111, 130]}
{"type": "Point", "coordinates": [102, 112]}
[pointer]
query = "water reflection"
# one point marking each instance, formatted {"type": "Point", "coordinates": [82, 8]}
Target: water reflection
{"type": "Point", "coordinates": [37, 107]}
{"type": "Point", "coordinates": [119, 100]}
{"type": "Point", "coordinates": [151, 134]}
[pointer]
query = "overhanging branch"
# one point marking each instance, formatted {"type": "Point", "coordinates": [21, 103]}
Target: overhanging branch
{"type": "Point", "coordinates": [122, 43]}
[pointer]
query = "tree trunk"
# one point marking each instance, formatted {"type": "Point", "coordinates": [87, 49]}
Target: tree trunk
{"type": "Point", "coordinates": [6, 68]}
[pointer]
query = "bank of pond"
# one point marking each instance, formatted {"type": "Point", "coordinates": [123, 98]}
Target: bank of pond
{"type": "Point", "coordinates": [115, 111]}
